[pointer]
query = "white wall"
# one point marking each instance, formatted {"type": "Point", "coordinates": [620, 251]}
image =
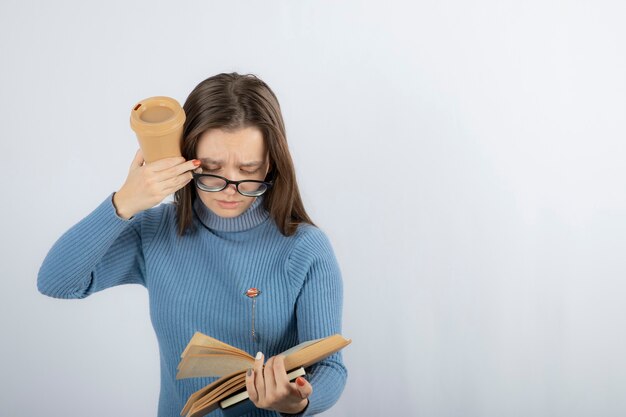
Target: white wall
{"type": "Point", "coordinates": [465, 158]}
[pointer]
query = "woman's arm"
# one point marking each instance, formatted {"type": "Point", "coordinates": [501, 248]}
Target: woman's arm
{"type": "Point", "coordinates": [318, 314]}
{"type": "Point", "coordinates": [105, 249]}
{"type": "Point", "coordinates": [313, 267]}
{"type": "Point", "coordinates": [100, 251]}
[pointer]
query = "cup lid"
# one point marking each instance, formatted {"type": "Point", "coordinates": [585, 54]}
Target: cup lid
{"type": "Point", "coordinates": [158, 115]}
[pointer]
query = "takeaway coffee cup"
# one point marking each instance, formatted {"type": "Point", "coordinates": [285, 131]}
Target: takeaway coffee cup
{"type": "Point", "coordinates": [158, 123]}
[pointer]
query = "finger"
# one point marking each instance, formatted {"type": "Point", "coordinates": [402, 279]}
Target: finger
{"type": "Point", "coordinates": [303, 388]}
{"type": "Point", "coordinates": [190, 165]}
{"type": "Point", "coordinates": [280, 374]}
{"type": "Point", "coordinates": [165, 163]}
{"type": "Point", "coordinates": [137, 160]}
{"type": "Point", "coordinates": [174, 184]}
{"type": "Point", "coordinates": [259, 382]}
{"type": "Point", "coordinates": [250, 387]}
{"type": "Point", "coordinates": [176, 170]}
{"type": "Point", "coordinates": [268, 373]}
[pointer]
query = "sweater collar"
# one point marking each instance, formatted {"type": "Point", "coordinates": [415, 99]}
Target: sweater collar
{"type": "Point", "coordinates": [252, 217]}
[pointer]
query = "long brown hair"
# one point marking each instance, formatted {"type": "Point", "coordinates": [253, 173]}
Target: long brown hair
{"type": "Point", "coordinates": [230, 102]}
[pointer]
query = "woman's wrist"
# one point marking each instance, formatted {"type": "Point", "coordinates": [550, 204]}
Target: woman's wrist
{"type": "Point", "coordinates": [119, 210]}
{"type": "Point", "coordinates": [299, 408]}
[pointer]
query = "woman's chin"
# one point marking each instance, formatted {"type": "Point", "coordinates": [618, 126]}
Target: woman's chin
{"type": "Point", "coordinates": [229, 211]}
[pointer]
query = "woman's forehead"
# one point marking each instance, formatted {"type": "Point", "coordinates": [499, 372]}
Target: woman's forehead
{"type": "Point", "coordinates": [242, 145]}
{"type": "Point", "coordinates": [231, 158]}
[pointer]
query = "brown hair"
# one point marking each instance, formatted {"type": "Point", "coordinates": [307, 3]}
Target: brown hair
{"type": "Point", "coordinates": [231, 102]}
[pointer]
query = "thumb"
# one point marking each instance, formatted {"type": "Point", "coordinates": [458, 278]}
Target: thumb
{"type": "Point", "coordinates": [137, 160]}
{"type": "Point", "coordinates": [303, 388]}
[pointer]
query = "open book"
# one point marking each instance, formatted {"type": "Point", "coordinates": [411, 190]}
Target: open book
{"type": "Point", "coordinates": [207, 356]}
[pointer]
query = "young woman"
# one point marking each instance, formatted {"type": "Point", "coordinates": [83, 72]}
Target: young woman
{"type": "Point", "coordinates": [235, 256]}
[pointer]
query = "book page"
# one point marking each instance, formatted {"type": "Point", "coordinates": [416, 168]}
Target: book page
{"type": "Point", "coordinates": [210, 401]}
{"type": "Point", "coordinates": [300, 346]}
{"type": "Point", "coordinates": [315, 352]}
{"type": "Point", "coordinates": [201, 350]}
{"type": "Point", "coordinates": [195, 397]}
{"type": "Point", "coordinates": [193, 366]}
{"type": "Point", "coordinates": [200, 339]}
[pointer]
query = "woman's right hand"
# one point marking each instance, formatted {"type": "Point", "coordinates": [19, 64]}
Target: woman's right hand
{"type": "Point", "coordinates": [147, 185]}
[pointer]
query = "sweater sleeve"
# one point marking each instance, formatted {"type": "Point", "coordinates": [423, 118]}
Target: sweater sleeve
{"type": "Point", "coordinates": [100, 251]}
{"type": "Point", "coordinates": [318, 314]}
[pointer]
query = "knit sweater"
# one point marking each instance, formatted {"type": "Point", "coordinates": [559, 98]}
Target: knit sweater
{"type": "Point", "coordinates": [198, 282]}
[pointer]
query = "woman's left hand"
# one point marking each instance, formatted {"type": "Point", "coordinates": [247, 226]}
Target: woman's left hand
{"type": "Point", "coordinates": [270, 389]}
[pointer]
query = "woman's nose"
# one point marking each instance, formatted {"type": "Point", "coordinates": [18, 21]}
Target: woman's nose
{"type": "Point", "coordinates": [231, 189]}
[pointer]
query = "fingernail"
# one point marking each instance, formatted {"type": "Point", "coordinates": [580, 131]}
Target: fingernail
{"type": "Point", "coordinates": [249, 373]}
{"type": "Point", "coordinates": [259, 356]}
{"type": "Point", "coordinates": [300, 381]}
{"type": "Point", "coordinates": [196, 162]}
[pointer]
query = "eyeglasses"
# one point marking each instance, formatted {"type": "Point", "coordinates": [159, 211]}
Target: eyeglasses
{"type": "Point", "coordinates": [214, 183]}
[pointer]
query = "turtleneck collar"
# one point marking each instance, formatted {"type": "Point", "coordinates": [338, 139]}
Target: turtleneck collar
{"type": "Point", "coordinates": [253, 216]}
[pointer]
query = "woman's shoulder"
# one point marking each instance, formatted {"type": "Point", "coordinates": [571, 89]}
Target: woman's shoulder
{"type": "Point", "coordinates": [310, 239]}
{"type": "Point", "coordinates": [308, 231]}
{"type": "Point", "coordinates": [153, 219]}
{"type": "Point", "coordinates": [311, 249]}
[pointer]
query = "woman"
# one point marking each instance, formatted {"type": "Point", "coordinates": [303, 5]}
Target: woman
{"type": "Point", "coordinates": [235, 256]}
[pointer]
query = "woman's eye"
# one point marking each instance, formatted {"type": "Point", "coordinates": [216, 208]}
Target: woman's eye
{"type": "Point", "coordinates": [205, 169]}
{"type": "Point", "coordinates": [249, 172]}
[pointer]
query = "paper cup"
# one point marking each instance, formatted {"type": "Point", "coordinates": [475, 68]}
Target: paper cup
{"type": "Point", "coordinates": [158, 123]}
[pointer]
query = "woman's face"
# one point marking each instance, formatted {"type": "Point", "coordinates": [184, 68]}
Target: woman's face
{"type": "Point", "coordinates": [236, 155]}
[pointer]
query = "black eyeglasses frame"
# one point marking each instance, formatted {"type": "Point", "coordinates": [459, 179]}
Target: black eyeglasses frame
{"type": "Point", "coordinates": [197, 176]}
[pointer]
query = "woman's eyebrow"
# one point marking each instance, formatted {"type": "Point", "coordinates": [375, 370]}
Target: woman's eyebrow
{"type": "Point", "coordinates": [210, 161]}
{"type": "Point", "coordinates": [251, 163]}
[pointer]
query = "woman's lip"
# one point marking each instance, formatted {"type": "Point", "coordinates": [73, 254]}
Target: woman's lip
{"type": "Point", "coordinates": [228, 204]}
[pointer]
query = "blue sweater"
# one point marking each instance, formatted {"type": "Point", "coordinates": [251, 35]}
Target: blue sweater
{"type": "Point", "coordinates": [198, 282]}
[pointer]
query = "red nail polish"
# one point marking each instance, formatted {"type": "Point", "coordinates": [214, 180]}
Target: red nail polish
{"type": "Point", "coordinates": [300, 381]}
{"type": "Point", "coordinates": [196, 162]}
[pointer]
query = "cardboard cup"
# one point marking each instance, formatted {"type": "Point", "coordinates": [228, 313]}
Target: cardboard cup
{"type": "Point", "coordinates": [158, 123]}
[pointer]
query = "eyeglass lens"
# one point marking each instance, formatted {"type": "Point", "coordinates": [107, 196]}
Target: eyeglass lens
{"type": "Point", "coordinates": [218, 184]}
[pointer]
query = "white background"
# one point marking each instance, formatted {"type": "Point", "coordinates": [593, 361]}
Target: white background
{"type": "Point", "coordinates": [466, 159]}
